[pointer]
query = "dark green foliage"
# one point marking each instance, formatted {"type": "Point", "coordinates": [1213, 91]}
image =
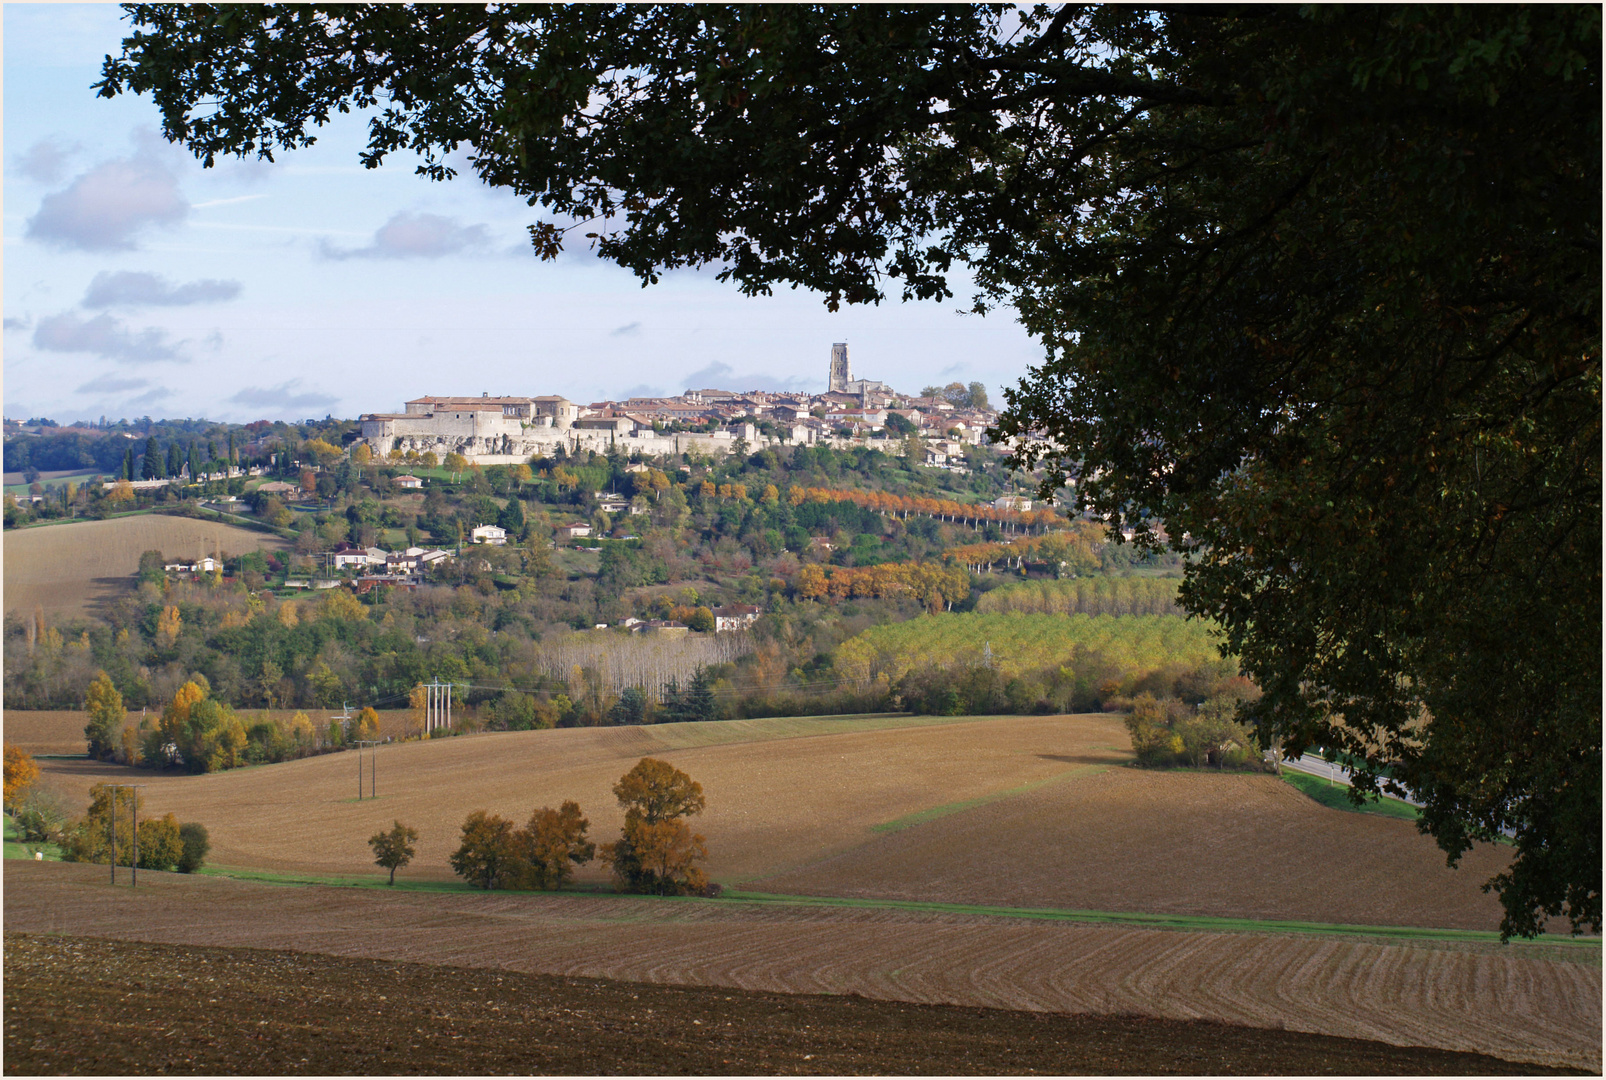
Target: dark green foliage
{"type": "Point", "coordinates": [487, 856]}
{"type": "Point", "coordinates": [196, 844]}
{"type": "Point", "coordinates": [631, 708]}
{"type": "Point", "coordinates": [695, 702]}
{"type": "Point", "coordinates": [511, 518]}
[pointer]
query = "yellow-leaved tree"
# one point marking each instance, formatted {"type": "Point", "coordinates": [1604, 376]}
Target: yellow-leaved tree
{"type": "Point", "coordinates": [656, 852]}
{"type": "Point", "coordinates": [20, 773]}
{"type": "Point", "coordinates": [103, 706]}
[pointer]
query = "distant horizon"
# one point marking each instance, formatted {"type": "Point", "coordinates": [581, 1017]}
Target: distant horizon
{"type": "Point", "coordinates": [95, 421]}
{"type": "Point", "coordinates": [138, 281]}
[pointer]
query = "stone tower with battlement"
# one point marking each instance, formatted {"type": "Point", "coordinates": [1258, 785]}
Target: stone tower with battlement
{"type": "Point", "coordinates": [841, 374]}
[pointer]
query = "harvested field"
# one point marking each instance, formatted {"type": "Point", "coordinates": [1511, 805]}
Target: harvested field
{"type": "Point", "coordinates": [1021, 811]}
{"type": "Point", "coordinates": [73, 569]}
{"type": "Point", "coordinates": [61, 731]}
{"type": "Point", "coordinates": [91, 1006]}
{"type": "Point", "coordinates": [1190, 843]}
{"type": "Point", "coordinates": [1540, 1005]}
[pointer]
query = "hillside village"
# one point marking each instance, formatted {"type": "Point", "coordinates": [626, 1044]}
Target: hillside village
{"type": "Point", "coordinates": [505, 430]}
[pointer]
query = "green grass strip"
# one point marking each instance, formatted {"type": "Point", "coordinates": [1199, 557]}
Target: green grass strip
{"type": "Point", "coordinates": [16, 849]}
{"type": "Point", "coordinates": [920, 817]}
{"type": "Point", "coordinates": [1337, 797]}
{"type": "Point", "coordinates": [342, 881]}
{"type": "Point", "coordinates": [1210, 923]}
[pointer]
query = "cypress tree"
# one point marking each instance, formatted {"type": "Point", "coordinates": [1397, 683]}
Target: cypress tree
{"type": "Point", "coordinates": [128, 464]}
{"type": "Point", "coordinates": [700, 697]}
{"type": "Point", "coordinates": [153, 461]}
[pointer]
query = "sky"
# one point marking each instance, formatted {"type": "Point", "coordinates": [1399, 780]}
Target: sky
{"type": "Point", "coordinates": [138, 283]}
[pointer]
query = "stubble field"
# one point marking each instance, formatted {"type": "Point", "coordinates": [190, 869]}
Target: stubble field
{"type": "Point", "coordinates": [70, 570]}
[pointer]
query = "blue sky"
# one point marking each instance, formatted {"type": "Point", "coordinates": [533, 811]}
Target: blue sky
{"type": "Point", "coordinates": [138, 283]}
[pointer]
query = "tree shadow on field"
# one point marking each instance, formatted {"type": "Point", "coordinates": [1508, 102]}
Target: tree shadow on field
{"type": "Point", "coordinates": [105, 591]}
{"type": "Point", "coordinates": [1096, 756]}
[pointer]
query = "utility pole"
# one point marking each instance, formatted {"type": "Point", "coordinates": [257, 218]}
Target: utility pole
{"type": "Point", "coordinates": [133, 803]}
{"type": "Point", "coordinates": [373, 777]}
{"type": "Point", "coordinates": [438, 706]}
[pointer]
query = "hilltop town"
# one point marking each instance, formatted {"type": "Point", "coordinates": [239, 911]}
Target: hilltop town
{"type": "Point", "coordinates": [507, 430]}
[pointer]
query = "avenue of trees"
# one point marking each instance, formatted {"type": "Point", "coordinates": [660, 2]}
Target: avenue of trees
{"type": "Point", "coordinates": [1318, 288]}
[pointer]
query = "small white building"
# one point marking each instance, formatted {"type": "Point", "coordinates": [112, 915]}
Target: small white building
{"type": "Point", "coordinates": [735, 617]}
{"type": "Point", "coordinates": [489, 534]}
{"type": "Point", "coordinates": [409, 481]}
{"type": "Point", "coordinates": [574, 529]}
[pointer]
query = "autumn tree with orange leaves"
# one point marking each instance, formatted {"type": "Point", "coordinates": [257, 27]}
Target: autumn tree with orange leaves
{"type": "Point", "coordinates": [656, 851]}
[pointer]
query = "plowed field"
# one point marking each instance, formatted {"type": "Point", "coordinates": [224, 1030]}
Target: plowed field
{"type": "Point", "coordinates": [1127, 839]}
{"type": "Point", "coordinates": [1520, 1003]}
{"type": "Point", "coordinates": [95, 1007]}
{"type": "Point", "coordinates": [1025, 811]}
{"type": "Point", "coordinates": [71, 569]}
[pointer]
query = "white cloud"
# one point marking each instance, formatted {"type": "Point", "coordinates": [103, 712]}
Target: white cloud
{"type": "Point", "coordinates": [282, 396]}
{"type": "Point", "coordinates": [136, 287]}
{"type": "Point", "coordinates": [226, 202]}
{"type": "Point", "coordinates": [46, 160]}
{"type": "Point", "coordinates": [104, 208]}
{"type": "Point", "coordinates": [411, 236]}
{"type": "Point", "coordinates": [641, 390]}
{"type": "Point", "coordinates": [111, 384]}
{"type": "Point", "coordinates": [103, 336]}
{"type": "Point", "coordinates": [723, 377]}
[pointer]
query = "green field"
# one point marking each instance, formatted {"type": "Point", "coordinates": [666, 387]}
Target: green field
{"type": "Point", "coordinates": [1086, 596]}
{"type": "Point", "coordinates": [16, 849]}
{"type": "Point", "coordinates": [1337, 796]}
{"type": "Point", "coordinates": [1028, 642]}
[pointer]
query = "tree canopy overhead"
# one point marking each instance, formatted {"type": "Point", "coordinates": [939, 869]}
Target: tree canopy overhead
{"type": "Point", "coordinates": [1318, 288]}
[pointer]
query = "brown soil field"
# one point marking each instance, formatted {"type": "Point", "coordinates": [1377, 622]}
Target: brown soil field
{"type": "Point", "coordinates": [91, 1006]}
{"type": "Point", "coordinates": [61, 731]}
{"type": "Point", "coordinates": [1539, 1005]}
{"type": "Point", "coordinates": [74, 569]}
{"type": "Point", "coordinates": [1129, 839]}
{"type": "Point", "coordinates": [799, 814]}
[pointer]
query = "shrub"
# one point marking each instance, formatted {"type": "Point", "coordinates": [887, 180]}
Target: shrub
{"type": "Point", "coordinates": [195, 844]}
{"type": "Point", "coordinates": [161, 843]}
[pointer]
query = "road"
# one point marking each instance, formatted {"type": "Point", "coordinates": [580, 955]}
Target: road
{"type": "Point", "coordinates": [1328, 770]}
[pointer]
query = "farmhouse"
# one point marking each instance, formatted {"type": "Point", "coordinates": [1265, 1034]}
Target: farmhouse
{"type": "Point", "coordinates": [489, 534]}
{"type": "Point", "coordinates": [204, 565]}
{"type": "Point", "coordinates": [735, 617]}
{"type": "Point", "coordinates": [409, 481]}
{"type": "Point", "coordinates": [574, 529]}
